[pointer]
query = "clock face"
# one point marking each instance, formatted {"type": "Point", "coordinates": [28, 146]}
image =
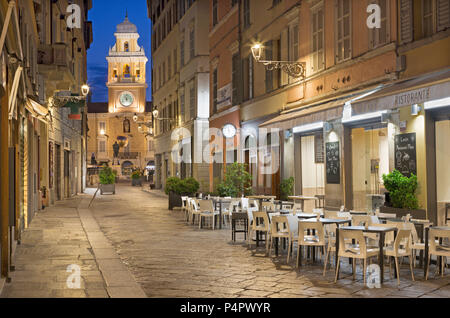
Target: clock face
{"type": "Point", "coordinates": [126, 99]}
{"type": "Point", "coordinates": [229, 131]}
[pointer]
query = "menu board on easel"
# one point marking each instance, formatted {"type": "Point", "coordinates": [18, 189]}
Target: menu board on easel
{"type": "Point", "coordinates": [405, 154]}
{"type": "Point", "coordinates": [333, 163]}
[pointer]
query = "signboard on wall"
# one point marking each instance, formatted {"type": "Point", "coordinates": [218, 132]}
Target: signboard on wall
{"type": "Point", "coordinates": [224, 96]}
{"type": "Point", "coordinates": [405, 154]}
{"type": "Point", "coordinates": [333, 162]}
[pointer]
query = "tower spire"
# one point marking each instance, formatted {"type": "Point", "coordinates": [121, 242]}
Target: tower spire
{"type": "Point", "coordinates": [126, 13]}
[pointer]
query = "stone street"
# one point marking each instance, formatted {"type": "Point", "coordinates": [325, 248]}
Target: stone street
{"type": "Point", "coordinates": [130, 245]}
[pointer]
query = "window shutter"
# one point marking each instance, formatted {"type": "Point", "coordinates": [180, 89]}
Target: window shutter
{"type": "Point", "coordinates": [406, 21]}
{"type": "Point", "coordinates": [443, 14]}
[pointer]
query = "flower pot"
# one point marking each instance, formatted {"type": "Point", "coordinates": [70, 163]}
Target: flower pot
{"type": "Point", "coordinates": [175, 201]}
{"type": "Point", "coordinates": [107, 188]}
{"type": "Point", "coordinates": [415, 214]}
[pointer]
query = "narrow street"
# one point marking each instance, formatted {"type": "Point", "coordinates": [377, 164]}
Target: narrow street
{"type": "Point", "coordinates": [131, 237]}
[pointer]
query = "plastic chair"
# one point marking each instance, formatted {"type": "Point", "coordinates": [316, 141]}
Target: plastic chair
{"type": "Point", "coordinates": [260, 223]}
{"type": "Point", "coordinates": [279, 228]}
{"type": "Point", "coordinates": [355, 251]}
{"type": "Point", "coordinates": [310, 240]}
{"type": "Point", "coordinates": [436, 248]}
{"type": "Point", "coordinates": [401, 248]}
{"type": "Point", "coordinates": [207, 211]}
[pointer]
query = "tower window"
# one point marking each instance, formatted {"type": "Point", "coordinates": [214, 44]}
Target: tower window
{"type": "Point", "coordinates": [126, 47]}
{"type": "Point", "coordinates": [126, 70]}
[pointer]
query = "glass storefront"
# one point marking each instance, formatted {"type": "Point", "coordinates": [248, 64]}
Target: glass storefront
{"type": "Point", "coordinates": [370, 159]}
{"type": "Point", "coordinates": [442, 165]}
{"type": "Point", "coordinates": [312, 165]}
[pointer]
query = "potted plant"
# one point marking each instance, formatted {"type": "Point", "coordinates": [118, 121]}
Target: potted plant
{"type": "Point", "coordinates": [136, 178]}
{"type": "Point", "coordinates": [107, 180]}
{"type": "Point", "coordinates": [237, 182]}
{"type": "Point", "coordinates": [287, 188]}
{"type": "Point", "coordinates": [401, 198]}
{"type": "Point", "coordinates": [176, 188]}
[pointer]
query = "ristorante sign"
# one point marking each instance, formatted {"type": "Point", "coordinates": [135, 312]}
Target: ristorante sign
{"type": "Point", "coordinates": [413, 97]}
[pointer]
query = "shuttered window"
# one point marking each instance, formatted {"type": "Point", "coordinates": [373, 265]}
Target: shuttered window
{"type": "Point", "coordinates": [443, 14]}
{"type": "Point", "coordinates": [406, 21]}
{"type": "Point", "coordinates": [317, 49]}
{"type": "Point", "coordinates": [381, 36]}
{"type": "Point", "coordinates": [427, 18]}
{"type": "Point", "coordinates": [343, 30]}
{"type": "Point", "coordinates": [235, 79]}
{"type": "Point", "coordinates": [215, 91]}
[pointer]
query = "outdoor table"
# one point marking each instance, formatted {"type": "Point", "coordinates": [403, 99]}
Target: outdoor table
{"type": "Point", "coordinates": [261, 198]}
{"type": "Point", "coordinates": [302, 199]}
{"type": "Point", "coordinates": [307, 215]}
{"type": "Point", "coordinates": [220, 201]}
{"type": "Point", "coordinates": [358, 213]}
{"type": "Point", "coordinates": [325, 222]}
{"type": "Point", "coordinates": [281, 203]}
{"type": "Point", "coordinates": [378, 230]}
{"type": "Point", "coordinates": [427, 233]}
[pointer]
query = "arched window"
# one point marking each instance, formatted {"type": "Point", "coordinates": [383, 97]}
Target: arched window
{"type": "Point", "coordinates": [126, 70]}
{"type": "Point", "coordinates": [126, 126]}
{"type": "Point", "coordinates": [126, 47]}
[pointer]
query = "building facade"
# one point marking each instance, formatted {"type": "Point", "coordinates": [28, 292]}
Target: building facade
{"type": "Point", "coordinates": [125, 121]}
{"type": "Point", "coordinates": [180, 52]}
{"type": "Point", "coordinates": [43, 62]}
{"type": "Point", "coordinates": [363, 92]}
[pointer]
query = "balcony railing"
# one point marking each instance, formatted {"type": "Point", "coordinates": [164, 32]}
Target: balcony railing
{"type": "Point", "coordinates": [128, 155]}
{"type": "Point", "coordinates": [123, 79]}
{"type": "Point", "coordinates": [55, 54]}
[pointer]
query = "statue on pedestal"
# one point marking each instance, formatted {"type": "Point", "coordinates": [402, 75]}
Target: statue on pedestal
{"type": "Point", "coordinates": [116, 149]}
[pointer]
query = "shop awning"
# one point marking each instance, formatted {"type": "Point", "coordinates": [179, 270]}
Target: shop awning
{"type": "Point", "coordinates": [315, 112]}
{"type": "Point", "coordinates": [36, 109]}
{"type": "Point", "coordinates": [405, 93]}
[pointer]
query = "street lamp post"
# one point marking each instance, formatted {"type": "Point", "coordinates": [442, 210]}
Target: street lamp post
{"type": "Point", "coordinates": [294, 69]}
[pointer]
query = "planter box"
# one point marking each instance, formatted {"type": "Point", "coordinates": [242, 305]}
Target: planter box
{"type": "Point", "coordinates": [175, 201]}
{"type": "Point", "coordinates": [415, 214]}
{"type": "Point", "coordinates": [136, 182]}
{"type": "Point", "coordinates": [107, 188]}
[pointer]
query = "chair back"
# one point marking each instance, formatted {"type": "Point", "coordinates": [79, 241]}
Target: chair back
{"type": "Point", "coordinates": [183, 202]}
{"type": "Point", "coordinates": [330, 214]}
{"type": "Point", "coordinates": [435, 237]}
{"type": "Point", "coordinates": [352, 244]}
{"type": "Point", "coordinates": [262, 219]}
{"type": "Point", "coordinates": [195, 206]}
{"type": "Point", "coordinates": [360, 220]}
{"type": "Point", "coordinates": [244, 204]}
{"type": "Point", "coordinates": [306, 239]}
{"type": "Point", "coordinates": [207, 206]}
{"type": "Point", "coordinates": [403, 240]}
{"type": "Point", "coordinates": [279, 226]}
{"type": "Point", "coordinates": [268, 206]}
{"type": "Point", "coordinates": [346, 215]}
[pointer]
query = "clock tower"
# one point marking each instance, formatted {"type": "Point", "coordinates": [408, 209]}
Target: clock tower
{"type": "Point", "coordinates": [126, 71]}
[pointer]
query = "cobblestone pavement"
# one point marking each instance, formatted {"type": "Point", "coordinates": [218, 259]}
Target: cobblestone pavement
{"type": "Point", "coordinates": [170, 258]}
{"type": "Point", "coordinates": [133, 232]}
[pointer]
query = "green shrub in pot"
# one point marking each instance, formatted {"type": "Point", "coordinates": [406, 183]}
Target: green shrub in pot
{"type": "Point", "coordinates": [287, 188]}
{"type": "Point", "coordinates": [107, 175]}
{"type": "Point", "coordinates": [402, 190]}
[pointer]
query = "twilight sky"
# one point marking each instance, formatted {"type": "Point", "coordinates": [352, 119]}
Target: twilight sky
{"type": "Point", "coordinates": [105, 16]}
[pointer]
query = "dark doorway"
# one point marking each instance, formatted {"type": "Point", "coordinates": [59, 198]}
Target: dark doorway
{"type": "Point", "coordinates": [58, 172]}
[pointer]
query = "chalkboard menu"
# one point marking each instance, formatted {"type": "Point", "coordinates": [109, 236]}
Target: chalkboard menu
{"type": "Point", "coordinates": [405, 154]}
{"type": "Point", "coordinates": [333, 163]}
{"type": "Point", "coordinates": [319, 150]}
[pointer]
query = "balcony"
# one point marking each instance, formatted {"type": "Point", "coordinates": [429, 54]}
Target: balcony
{"type": "Point", "coordinates": [128, 155]}
{"type": "Point", "coordinates": [56, 66]}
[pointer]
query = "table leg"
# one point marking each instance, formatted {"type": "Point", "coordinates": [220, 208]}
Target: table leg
{"type": "Point", "coordinates": [381, 257]}
{"type": "Point", "coordinates": [395, 269]}
{"type": "Point", "coordinates": [425, 267]}
{"type": "Point", "coordinates": [276, 246]}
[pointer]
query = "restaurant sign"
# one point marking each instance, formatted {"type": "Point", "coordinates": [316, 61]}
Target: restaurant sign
{"type": "Point", "coordinates": [224, 96]}
{"type": "Point", "coordinates": [413, 97]}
